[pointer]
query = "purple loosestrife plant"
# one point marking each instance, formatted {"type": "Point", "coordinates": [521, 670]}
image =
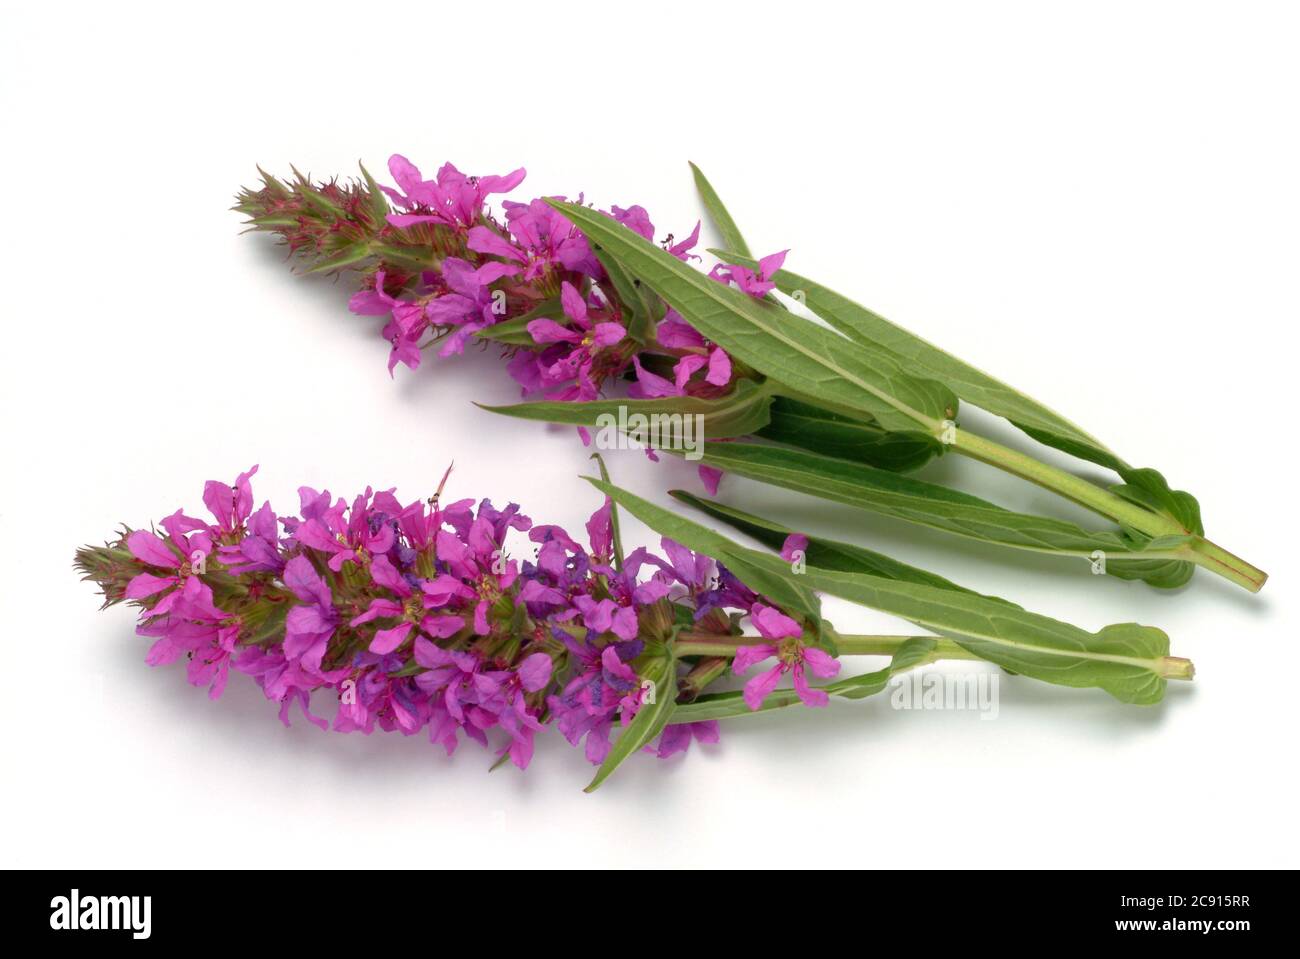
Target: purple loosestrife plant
{"type": "Point", "coordinates": [414, 616]}
{"type": "Point", "coordinates": [595, 314]}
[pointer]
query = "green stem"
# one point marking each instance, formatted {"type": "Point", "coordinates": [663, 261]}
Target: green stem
{"type": "Point", "coordinates": [1216, 559]}
{"type": "Point", "coordinates": [701, 675]}
{"type": "Point", "coordinates": [720, 648]}
{"type": "Point", "coordinates": [1072, 487]}
{"type": "Point", "coordinates": [1200, 551]}
{"type": "Point", "coordinates": [711, 644]}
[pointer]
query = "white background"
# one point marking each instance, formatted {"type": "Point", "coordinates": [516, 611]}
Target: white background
{"type": "Point", "coordinates": [1097, 202]}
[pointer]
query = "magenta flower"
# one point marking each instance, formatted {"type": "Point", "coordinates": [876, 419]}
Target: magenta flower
{"type": "Point", "coordinates": [309, 626]}
{"type": "Point", "coordinates": [453, 199]}
{"type": "Point", "coordinates": [475, 555]}
{"type": "Point", "coordinates": [459, 684]}
{"type": "Point", "coordinates": [607, 616]}
{"type": "Point", "coordinates": [354, 539]}
{"type": "Point", "coordinates": [404, 331]}
{"type": "Point", "coordinates": [413, 608]}
{"type": "Point", "coordinates": [792, 657]}
{"type": "Point", "coordinates": [600, 533]}
{"type": "Point", "coordinates": [470, 305]}
{"type": "Point", "coordinates": [549, 241]}
{"type": "Point", "coordinates": [677, 738]}
{"type": "Point", "coordinates": [794, 543]}
{"type": "Point", "coordinates": [544, 241]}
{"type": "Point", "coordinates": [651, 385]}
{"type": "Point", "coordinates": [193, 625]}
{"type": "Point", "coordinates": [585, 339]}
{"type": "Point", "coordinates": [507, 700]}
{"type": "Point", "coordinates": [380, 699]}
{"type": "Point", "coordinates": [188, 543]}
{"type": "Point", "coordinates": [682, 249]}
{"type": "Point", "coordinates": [636, 219]}
{"type": "Point", "coordinates": [757, 285]}
{"type": "Point", "coordinates": [605, 686]}
{"type": "Point", "coordinates": [717, 366]}
{"type": "Point", "coordinates": [711, 477]}
{"type": "Point", "coordinates": [230, 507]}
{"type": "Point", "coordinates": [674, 333]}
{"type": "Point", "coordinates": [259, 550]}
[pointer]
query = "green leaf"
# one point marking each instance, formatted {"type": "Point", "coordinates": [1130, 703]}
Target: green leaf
{"type": "Point", "coordinates": [739, 413]}
{"type": "Point", "coordinates": [822, 553]}
{"type": "Point", "coordinates": [819, 364]}
{"type": "Point", "coordinates": [649, 721]}
{"type": "Point", "coordinates": [779, 587]}
{"type": "Point", "coordinates": [923, 359]}
{"type": "Point", "coordinates": [927, 504]}
{"type": "Point", "coordinates": [514, 331]}
{"type": "Point", "coordinates": [810, 427]}
{"type": "Point", "coordinates": [913, 653]}
{"type": "Point", "coordinates": [722, 220]}
{"type": "Point", "coordinates": [1124, 660]}
{"type": "Point", "coordinates": [644, 308]}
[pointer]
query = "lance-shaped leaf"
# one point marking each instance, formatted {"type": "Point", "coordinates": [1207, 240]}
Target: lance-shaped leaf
{"type": "Point", "coordinates": [649, 721]}
{"type": "Point", "coordinates": [922, 358]}
{"type": "Point", "coordinates": [818, 363]}
{"type": "Point", "coordinates": [811, 427]}
{"type": "Point", "coordinates": [913, 653]}
{"type": "Point", "coordinates": [779, 587]}
{"type": "Point", "coordinates": [739, 413]}
{"type": "Point", "coordinates": [940, 507]}
{"type": "Point", "coordinates": [864, 376]}
{"type": "Point", "coordinates": [722, 220]}
{"type": "Point", "coordinates": [644, 310]}
{"type": "Point", "coordinates": [821, 552]}
{"type": "Point", "coordinates": [1129, 661]}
